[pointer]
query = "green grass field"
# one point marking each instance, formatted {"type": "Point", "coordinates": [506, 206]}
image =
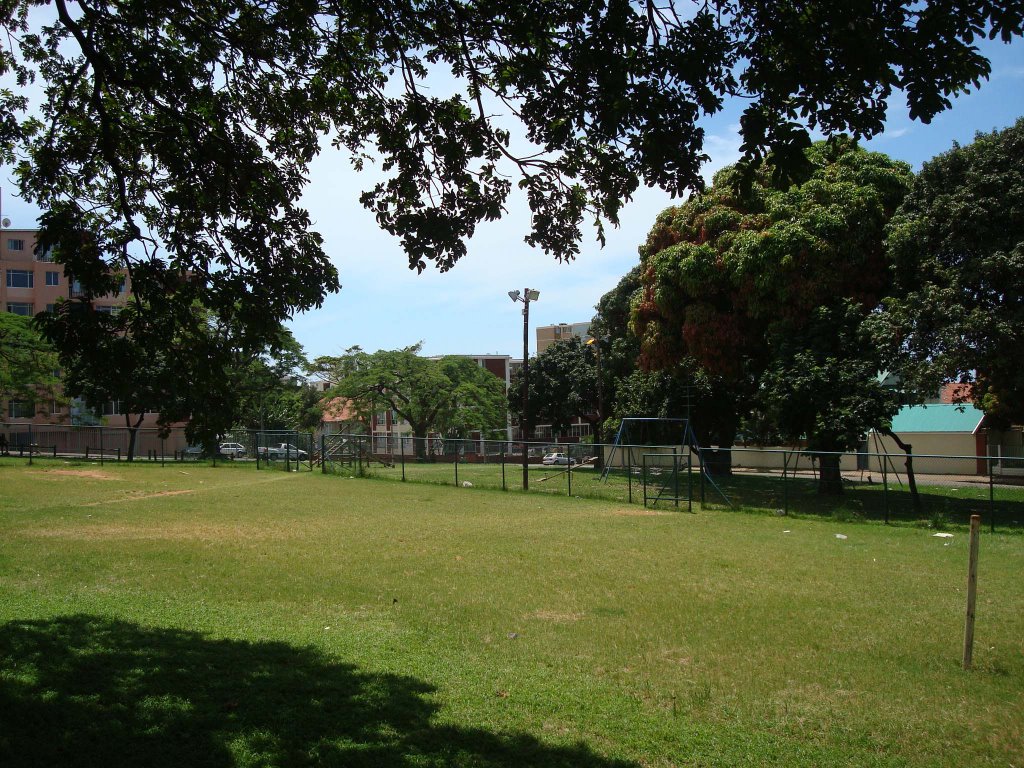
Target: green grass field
{"type": "Point", "coordinates": [215, 617]}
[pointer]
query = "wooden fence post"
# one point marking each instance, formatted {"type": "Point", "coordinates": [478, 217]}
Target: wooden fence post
{"type": "Point", "coordinates": [972, 590]}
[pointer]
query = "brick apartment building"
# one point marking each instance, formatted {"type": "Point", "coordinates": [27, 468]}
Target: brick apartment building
{"type": "Point", "coordinates": [550, 334]}
{"type": "Point", "coordinates": [30, 282]}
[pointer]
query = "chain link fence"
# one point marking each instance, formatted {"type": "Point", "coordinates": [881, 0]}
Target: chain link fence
{"type": "Point", "coordinates": [94, 443]}
{"type": "Point", "coordinates": [934, 490]}
{"type": "Point", "coordinates": [892, 487]}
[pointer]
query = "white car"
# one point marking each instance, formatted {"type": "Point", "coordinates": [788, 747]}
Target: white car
{"type": "Point", "coordinates": [232, 450]}
{"type": "Point", "coordinates": [557, 458]}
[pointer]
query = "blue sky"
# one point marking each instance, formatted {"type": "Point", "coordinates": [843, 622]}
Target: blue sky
{"type": "Point", "coordinates": [384, 305]}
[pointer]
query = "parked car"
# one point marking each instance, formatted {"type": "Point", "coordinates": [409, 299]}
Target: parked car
{"type": "Point", "coordinates": [557, 458]}
{"type": "Point", "coordinates": [284, 450]}
{"type": "Point", "coordinates": [232, 450]}
{"type": "Point", "coordinates": [193, 450]}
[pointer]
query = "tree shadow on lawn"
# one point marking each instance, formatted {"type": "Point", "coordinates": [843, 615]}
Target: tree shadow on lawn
{"type": "Point", "coordinates": [90, 691]}
{"type": "Point", "coordinates": [870, 500]}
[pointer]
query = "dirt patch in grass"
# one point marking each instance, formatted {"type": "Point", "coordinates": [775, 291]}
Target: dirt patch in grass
{"type": "Point", "coordinates": [638, 513]}
{"type": "Point", "coordinates": [92, 474]}
{"type": "Point", "coordinates": [138, 496]}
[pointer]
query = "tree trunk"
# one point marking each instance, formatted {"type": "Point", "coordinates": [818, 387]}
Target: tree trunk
{"type": "Point", "coordinates": [907, 448]}
{"type": "Point", "coordinates": [717, 463]}
{"type": "Point", "coordinates": [830, 479]}
{"type": "Point", "coordinates": [133, 432]}
{"type": "Point", "coordinates": [419, 437]}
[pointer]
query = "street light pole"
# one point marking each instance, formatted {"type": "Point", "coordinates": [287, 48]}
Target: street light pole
{"type": "Point", "coordinates": [526, 297]}
{"type": "Point", "coordinates": [596, 343]}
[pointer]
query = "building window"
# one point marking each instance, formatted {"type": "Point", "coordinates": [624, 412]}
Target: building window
{"type": "Point", "coordinates": [579, 430]}
{"type": "Point", "coordinates": [45, 254]}
{"type": "Point", "coordinates": [54, 408]}
{"type": "Point", "coordinates": [14, 244]}
{"type": "Point", "coordinates": [53, 278]}
{"type": "Point", "coordinates": [122, 284]}
{"type": "Point", "coordinates": [76, 288]}
{"type": "Point", "coordinates": [51, 308]}
{"type": "Point", "coordinates": [19, 308]}
{"type": "Point", "coordinates": [20, 278]}
{"type": "Point", "coordinates": [111, 408]}
{"type": "Point", "coordinates": [20, 409]}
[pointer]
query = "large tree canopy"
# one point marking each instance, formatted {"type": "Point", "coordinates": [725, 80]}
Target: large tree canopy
{"type": "Point", "coordinates": [189, 367]}
{"type": "Point", "coordinates": [271, 390]}
{"type": "Point", "coordinates": [27, 362]}
{"type": "Point", "coordinates": [672, 391]}
{"type": "Point", "coordinates": [958, 250]}
{"type": "Point", "coordinates": [174, 137]}
{"type": "Point", "coordinates": [563, 386]}
{"type": "Point", "coordinates": [451, 395]}
{"type": "Point", "coordinates": [769, 290]}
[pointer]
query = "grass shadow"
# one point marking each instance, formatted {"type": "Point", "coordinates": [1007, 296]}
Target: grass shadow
{"type": "Point", "coordinates": [872, 500]}
{"type": "Point", "coordinates": [92, 691]}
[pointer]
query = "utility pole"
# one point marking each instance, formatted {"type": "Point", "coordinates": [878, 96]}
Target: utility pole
{"type": "Point", "coordinates": [526, 297]}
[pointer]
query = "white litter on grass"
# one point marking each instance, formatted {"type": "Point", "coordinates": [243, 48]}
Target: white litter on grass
{"type": "Point", "coordinates": [841, 536]}
{"type": "Point", "coordinates": [787, 531]}
{"type": "Point", "coordinates": [466, 484]}
{"type": "Point", "coordinates": [942, 535]}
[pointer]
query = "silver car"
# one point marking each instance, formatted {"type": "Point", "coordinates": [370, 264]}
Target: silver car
{"type": "Point", "coordinates": [232, 450]}
{"type": "Point", "coordinates": [556, 458]}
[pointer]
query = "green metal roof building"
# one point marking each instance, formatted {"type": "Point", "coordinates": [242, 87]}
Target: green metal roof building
{"type": "Point", "coordinates": [938, 417]}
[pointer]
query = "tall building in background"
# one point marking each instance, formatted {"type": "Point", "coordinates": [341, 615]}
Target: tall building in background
{"type": "Point", "coordinates": [546, 336]}
{"type": "Point", "coordinates": [33, 283]}
{"type": "Point", "coordinates": [30, 282]}
{"type": "Point", "coordinates": [549, 334]}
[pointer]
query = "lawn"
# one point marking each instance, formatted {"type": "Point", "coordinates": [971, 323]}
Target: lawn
{"type": "Point", "coordinates": [188, 615]}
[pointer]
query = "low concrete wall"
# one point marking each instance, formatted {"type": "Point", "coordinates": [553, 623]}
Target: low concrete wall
{"type": "Point", "coordinates": [935, 453]}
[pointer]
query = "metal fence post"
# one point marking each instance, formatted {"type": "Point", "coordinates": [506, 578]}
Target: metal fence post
{"type": "Point", "coordinates": [163, 460]}
{"type": "Point", "coordinates": [401, 454]}
{"type": "Point", "coordinates": [991, 496]}
{"type": "Point", "coordinates": [629, 473]}
{"type": "Point", "coordinates": [323, 455]}
{"type": "Point", "coordinates": [700, 465]}
{"type": "Point", "coordinates": [675, 476]}
{"type": "Point", "coordinates": [885, 488]}
{"type": "Point", "coordinates": [503, 486]}
{"type": "Point", "coordinates": [785, 484]}
{"type": "Point", "coordinates": [643, 474]}
{"type": "Point", "coordinates": [456, 467]}
{"type": "Point", "coordinates": [101, 446]}
{"type": "Point", "coordinates": [689, 482]}
{"type": "Point", "coordinates": [568, 470]}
